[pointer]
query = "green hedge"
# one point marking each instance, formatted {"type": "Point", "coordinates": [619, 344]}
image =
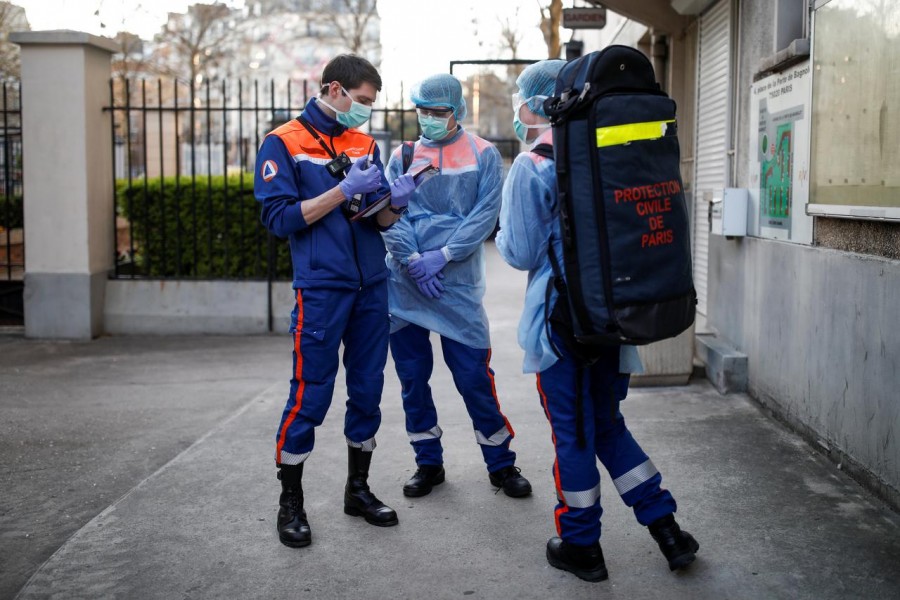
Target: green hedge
{"type": "Point", "coordinates": [199, 220]}
{"type": "Point", "coordinates": [11, 211]}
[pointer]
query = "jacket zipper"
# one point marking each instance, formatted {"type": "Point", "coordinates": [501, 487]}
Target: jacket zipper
{"type": "Point", "coordinates": [355, 252]}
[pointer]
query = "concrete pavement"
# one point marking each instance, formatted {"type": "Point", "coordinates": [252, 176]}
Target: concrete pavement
{"type": "Point", "coordinates": [141, 468]}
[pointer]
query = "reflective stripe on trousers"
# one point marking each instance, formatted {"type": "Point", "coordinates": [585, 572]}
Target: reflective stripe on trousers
{"type": "Point", "coordinates": [322, 320]}
{"type": "Point", "coordinates": [366, 446]}
{"type": "Point", "coordinates": [575, 468]}
{"type": "Point", "coordinates": [474, 380]}
{"type": "Point", "coordinates": [495, 440]}
{"type": "Point", "coordinates": [434, 433]}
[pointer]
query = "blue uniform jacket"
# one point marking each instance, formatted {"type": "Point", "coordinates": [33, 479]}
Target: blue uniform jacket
{"type": "Point", "coordinates": [290, 168]}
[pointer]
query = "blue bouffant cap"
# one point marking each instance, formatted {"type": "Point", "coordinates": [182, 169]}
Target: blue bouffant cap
{"type": "Point", "coordinates": [440, 90]}
{"type": "Point", "coordinates": [539, 79]}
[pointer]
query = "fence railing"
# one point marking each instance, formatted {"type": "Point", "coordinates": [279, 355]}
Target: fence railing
{"type": "Point", "coordinates": [183, 161]}
{"type": "Point", "coordinates": [12, 239]}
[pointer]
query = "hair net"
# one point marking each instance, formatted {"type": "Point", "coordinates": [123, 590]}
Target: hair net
{"type": "Point", "coordinates": [539, 79]}
{"type": "Point", "coordinates": [440, 90]}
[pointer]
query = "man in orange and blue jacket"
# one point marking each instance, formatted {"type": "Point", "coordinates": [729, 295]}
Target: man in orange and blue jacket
{"type": "Point", "coordinates": [311, 174]}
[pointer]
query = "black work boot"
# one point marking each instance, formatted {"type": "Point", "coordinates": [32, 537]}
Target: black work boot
{"type": "Point", "coordinates": [679, 547]}
{"type": "Point", "coordinates": [293, 528]}
{"type": "Point", "coordinates": [425, 478]}
{"type": "Point", "coordinates": [359, 501]}
{"type": "Point", "coordinates": [511, 481]}
{"type": "Point", "coordinates": [586, 562]}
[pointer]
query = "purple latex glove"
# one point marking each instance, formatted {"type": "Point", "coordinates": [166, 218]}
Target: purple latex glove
{"type": "Point", "coordinates": [428, 265]}
{"type": "Point", "coordinates": [402, 189]}
{"type": "Point", "coordinates": [360, 180]}
{"type": "Point", "coordinates": [432, 287]}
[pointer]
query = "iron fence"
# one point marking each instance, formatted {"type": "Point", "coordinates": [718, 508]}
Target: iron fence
{"type": "Point", "coordinates": [183, 161]}
{"type": "Point", "coordinates": [12, 240]}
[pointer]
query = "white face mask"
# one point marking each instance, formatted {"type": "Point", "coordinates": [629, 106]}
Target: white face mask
{"type": "Point", "coordinates": [354, 117]}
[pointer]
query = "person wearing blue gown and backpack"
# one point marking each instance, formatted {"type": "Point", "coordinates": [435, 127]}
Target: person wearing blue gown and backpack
{"type": "Point", "coordinates": [580, 400]}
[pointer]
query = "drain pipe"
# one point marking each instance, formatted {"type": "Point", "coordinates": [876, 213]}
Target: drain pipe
{"type": "Point", "coordinates": [659, 55]}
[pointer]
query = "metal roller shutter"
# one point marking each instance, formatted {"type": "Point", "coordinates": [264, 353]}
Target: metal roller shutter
{"type": "Point", "coordinates": [713, 123]}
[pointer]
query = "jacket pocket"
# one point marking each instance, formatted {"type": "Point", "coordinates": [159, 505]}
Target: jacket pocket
{"type": "Point", "coordinates": [316, 360]}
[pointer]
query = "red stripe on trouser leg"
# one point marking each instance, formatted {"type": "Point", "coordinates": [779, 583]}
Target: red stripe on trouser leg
{"type": "Point", "coordinates": [559, 493]}
{"type": "Point", "coordinates": [490, 374]}
{"type": "Point", "coordinates": [298, 375]}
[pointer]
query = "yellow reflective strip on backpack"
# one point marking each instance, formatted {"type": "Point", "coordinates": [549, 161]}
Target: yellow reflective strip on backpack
{"type": "Point", "coordinates": [632, 132]}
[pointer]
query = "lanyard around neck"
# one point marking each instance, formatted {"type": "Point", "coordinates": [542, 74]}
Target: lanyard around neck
{"type": "Point", "coordinates": [312, 131]}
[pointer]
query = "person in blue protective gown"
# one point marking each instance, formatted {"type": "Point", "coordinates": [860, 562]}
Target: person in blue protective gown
{"type": "Point", "coordinates": [529, 224]}
{"type": "Point", "coordinates": [436, 284]}
{"type": "Point", "coordinates": [308, 172]}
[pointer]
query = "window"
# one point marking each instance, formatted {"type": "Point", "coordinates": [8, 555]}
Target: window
{"type": "Point", "coordinates": [855, 153]}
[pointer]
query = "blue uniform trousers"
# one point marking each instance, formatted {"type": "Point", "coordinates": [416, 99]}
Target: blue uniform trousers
{"type": "Point", "coordinates": [575, 469]}
{"type": "Point", "coordinates": [322, 319]}
{"type": "Point", "coordinates": [474, 379]}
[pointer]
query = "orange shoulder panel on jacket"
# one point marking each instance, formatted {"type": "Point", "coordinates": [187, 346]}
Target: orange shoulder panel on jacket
{"type": "Point", "coordinates": [298, 141]}
{"type": "Point", "coordinates": [354, 143]}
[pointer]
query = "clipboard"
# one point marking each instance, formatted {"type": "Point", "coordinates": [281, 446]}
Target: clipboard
{"type": "Point", "coordinates": [421, 176]}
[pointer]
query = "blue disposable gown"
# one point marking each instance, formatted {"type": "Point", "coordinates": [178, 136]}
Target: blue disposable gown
{"type": "Point", "coordinates": [454, 211]}
{"type": "Point", "coordinates": [529, 219]}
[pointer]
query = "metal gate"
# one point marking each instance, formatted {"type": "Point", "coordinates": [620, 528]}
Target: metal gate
{"type": "Point", "coordinates": [12, 238]}
{"type": "Point", "coordinates": [183, 161]}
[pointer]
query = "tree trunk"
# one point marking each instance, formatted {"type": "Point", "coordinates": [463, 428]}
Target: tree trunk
{"type": "Point", "coordinates": [550, 20]}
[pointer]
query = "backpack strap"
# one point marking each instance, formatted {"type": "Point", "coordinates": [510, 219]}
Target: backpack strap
{"type": "Point", "coordinates": [557, 281]}
{"type": "Point", "coordinates": [407, 149]}
{"type": "Point", "coordinates": [545, 150]}
{"type": "Point", "coordinates": [312, 131]}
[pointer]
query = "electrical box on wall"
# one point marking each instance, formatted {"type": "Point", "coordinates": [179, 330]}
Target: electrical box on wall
{"type": "Point", "coordinates": [728, 214]}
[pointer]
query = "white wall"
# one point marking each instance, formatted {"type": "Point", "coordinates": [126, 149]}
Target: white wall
{"type": "Point", "coordinates": [142, 307]}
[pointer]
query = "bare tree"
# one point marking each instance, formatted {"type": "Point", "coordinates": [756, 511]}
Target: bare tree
{"type": "Point", "coordinates": [129, 60]}
{"type": "Point", "coordinates": [12, 18]}
{"type": "Point", "coordinates": [510, 38]}
{"type": "Point", "coordinates": [551, 16]}
{"type": "Point", "coordinates": [350, 18]}
{"type": "Point", "coordinates": [195, 42]}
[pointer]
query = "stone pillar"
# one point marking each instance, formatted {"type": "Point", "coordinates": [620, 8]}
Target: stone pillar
{"type": "Point", "coordinates": [66, 140]}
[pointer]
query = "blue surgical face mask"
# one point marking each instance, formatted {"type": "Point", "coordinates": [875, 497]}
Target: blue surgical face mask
{"type": "Point", "coordinates": [434, 128]}
{"type": "Point", "coordinates": [357, 115]}
{"type": "Point", "coordinates": [521, 128]}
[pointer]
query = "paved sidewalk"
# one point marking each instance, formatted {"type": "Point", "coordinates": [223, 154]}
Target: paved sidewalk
{"type": "Point", "coordinates": [195, 516]}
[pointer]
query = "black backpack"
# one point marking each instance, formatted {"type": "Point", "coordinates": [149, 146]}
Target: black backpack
{"type": "Point", "coordinates": [623, 216]}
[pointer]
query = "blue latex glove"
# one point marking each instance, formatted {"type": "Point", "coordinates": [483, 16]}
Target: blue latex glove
{"type": "Point", "coordinates": [360, 180]}
{"type": "Point", "coordinates": [428, 265]}
{"type": "Point", "coordinates": [432, 287]}
{"type": "Point", "coordinates": [402, 189]}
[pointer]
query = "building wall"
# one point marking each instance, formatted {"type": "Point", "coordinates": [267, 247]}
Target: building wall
{"type": "Point", "coordinates": [819, 328]}
{"type": "Point", "coordinates": [818, 325]}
